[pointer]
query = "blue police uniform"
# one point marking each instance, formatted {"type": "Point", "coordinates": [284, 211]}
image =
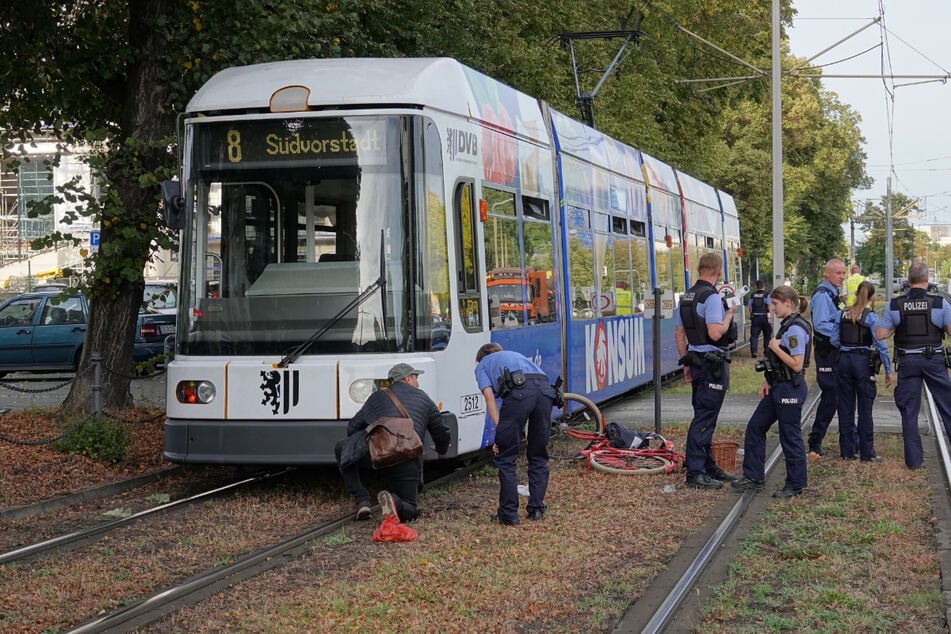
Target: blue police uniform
{"type": "Point", "coordinates": [919, 321]}
{"type": "Point", "coordinates": [533, 402]}
{"type": "Point", "coordinates": [759, 319]}
{"type": "Point", "coordinates": [710, 378]}
{"type": "Point", "coordinates": [825, 305]}
{"type": "Point", "coordinates": [784, 402]}
{"type": "Point", "coordinates": [856, 382]}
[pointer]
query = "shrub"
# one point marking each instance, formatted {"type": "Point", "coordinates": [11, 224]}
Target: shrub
{"type": "Point", "coordinates": [98, 438]}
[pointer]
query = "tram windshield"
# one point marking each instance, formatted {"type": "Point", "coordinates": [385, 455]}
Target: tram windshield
{"type": "Point", "coordinates": [290, 218]}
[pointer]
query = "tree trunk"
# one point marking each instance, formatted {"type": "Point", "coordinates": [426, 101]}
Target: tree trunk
{"type": "Point", "coordinates": [108, 321]}
{"type": "Point", "coordinates": [127, 231]}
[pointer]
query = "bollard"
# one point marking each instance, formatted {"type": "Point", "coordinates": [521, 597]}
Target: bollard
{"type": "Point", "coordinates": [96, 359]}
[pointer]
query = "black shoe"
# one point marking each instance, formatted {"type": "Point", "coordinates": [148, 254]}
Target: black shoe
{"type": "Point", "coordinates": [873, 459]}
{"type": "Point", "coordinates": [503, 521]}
{"type": "Point", "coordinates": [745, 483]}
{"type": "Point", "coordinates": [536, 516]}
{"type": "Point", "coordinates": [703, 481]}
{"type": "Point", "coordinates": [849, 458]}
{"type": "Point", "coordinates": [721, 475]}
{"type": "Point", "coordinates": [361, 510]}
{"type": "Point", "coordinates": [819, 451]}
{"type": "Point", "coordinates": [786, 492]}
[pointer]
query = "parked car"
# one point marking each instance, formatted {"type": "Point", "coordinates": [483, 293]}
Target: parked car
{"type": "Point", "coordinates": [46, 331]}
{"type": "Point", "coordinates": [161, 296]}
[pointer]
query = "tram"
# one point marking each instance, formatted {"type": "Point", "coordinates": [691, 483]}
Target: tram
{"type": "Point", "coordinates": [339, 216]}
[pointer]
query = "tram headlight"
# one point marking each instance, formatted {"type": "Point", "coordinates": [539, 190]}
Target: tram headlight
{"type": "Point", "coordinates": [195, 392]}
{"type": "Point", "coordinates": [361, 389]}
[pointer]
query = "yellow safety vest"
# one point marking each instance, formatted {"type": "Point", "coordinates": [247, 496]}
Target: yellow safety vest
{"type": "Point", "coordinates": [851, 286]}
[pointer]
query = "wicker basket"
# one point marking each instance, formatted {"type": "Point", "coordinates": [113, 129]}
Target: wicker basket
{"type": "Point", "coordinates": [724, 452]}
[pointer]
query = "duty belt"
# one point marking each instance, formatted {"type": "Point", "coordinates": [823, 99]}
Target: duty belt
{"type": "Point", "coordinates": [928, 352]}
{"type": "Point", "coordinates": [537, 376]}
{"type": "Point", "coordinates": [862, 351]}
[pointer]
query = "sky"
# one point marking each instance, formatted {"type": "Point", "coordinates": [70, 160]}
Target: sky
{"type": "Point", "coordinates": [906, 123]}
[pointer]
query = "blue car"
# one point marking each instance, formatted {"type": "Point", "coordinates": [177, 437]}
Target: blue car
{"type": "Point", "coordinates": [45, 331]}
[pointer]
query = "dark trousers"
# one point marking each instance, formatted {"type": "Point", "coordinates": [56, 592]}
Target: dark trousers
{"type": "Point", "coordinates": [913, 369]}
{"type": "Point", "coordinates": [402, 480]}
{"type": "Point", "coordinates": [784, 404]}
{"type": "Point", "coordinates": [857, 391]}
{"type": "Point", "coordinates": [828, 401]}
{"type": "Point", "coordinates": [707, 399]}
{"type": "Point", "coordinates": [759, 326]}
{"type": "Point", "coordinates": [531, 403]}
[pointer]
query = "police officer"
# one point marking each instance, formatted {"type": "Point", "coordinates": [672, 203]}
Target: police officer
{"type": "Point", "coordinates": [862, 355]}
{"type": "Point", "coordinates": [704, 332]}
{"type": "Point", "coordinates": [919, 322]}
{"type": "Point", "coordinates": [781, 398]}
{"type": "Point", "coordinates": [825, 306]}
{"type": "Point", "coordinates": [527, 394]}
{"type": "Point", "coordinates": [759, 317]}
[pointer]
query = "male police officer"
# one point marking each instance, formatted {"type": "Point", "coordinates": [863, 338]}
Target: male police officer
{"type": "Point", "coordinates": [527, 395]}
{"type": "Point", "coordinates": [759, 317]}
{"type": "Point", "coordinates": [919, 322]}
{"type": "Point", "coordinates": [826, 305]}
{"type": "Point", "coordinates": [704, 332]}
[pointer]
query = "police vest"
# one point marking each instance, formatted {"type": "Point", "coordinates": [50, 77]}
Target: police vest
{"type": "Point", "coordinates": [793, 320]}
{"type": "Point", "coordinates": [833, 295]}
{"type": "Point", "coordinates": [758, 305]}
{"type": "Point", "coordinates": [694, 325]}
{"type": "Point", "coordinates": [916, 330]}
{"type": "Point", "coordinates": [855, 335]}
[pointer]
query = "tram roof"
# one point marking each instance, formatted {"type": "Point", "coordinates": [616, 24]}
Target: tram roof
{"type": "Point", "coordinates": [441, 83]}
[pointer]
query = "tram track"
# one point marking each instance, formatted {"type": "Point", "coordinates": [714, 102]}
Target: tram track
{"type": "Point", "coordinates": [198, 587]}
{"type": "Point", "coordinates": [82, 536]}
{"type": "Point", "coordinates": [664, 606]}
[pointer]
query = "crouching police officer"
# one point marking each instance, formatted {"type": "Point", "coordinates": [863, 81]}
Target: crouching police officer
{"type": "Point", "coordinates": [704, 332]}
{"type": "Point", "coordinates": [919, 322]}
{"type": "Point", "coordinates": [781, 398]}
{"type": "Point", "coordinates": [863, 355]}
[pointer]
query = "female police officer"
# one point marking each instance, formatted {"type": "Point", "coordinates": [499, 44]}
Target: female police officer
{"type": "Point", "coordinates": [781, 398]}
{"type": "Point", "coordinates": [855, 374]}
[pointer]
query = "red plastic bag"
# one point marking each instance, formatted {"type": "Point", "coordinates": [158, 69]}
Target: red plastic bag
{"type": "Point", "coordinates": [392, 530]}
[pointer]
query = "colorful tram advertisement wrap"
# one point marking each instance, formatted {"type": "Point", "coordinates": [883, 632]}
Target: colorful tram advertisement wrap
{"type": "Point", "coordinates": [339, 216]}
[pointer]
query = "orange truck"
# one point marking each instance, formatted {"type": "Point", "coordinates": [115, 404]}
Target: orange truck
{"type": "Point", "coordinates": [508, 295]}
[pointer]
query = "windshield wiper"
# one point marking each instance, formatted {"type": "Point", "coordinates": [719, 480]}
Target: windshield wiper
{"type": "Point", "coordinates": [380, 283]}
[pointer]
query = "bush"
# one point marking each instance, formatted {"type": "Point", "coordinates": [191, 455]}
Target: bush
{"type": "Point", "coordinates": [98, 438]}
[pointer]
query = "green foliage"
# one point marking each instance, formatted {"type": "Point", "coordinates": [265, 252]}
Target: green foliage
{"type": "Point", "coordinates": [98, 438]}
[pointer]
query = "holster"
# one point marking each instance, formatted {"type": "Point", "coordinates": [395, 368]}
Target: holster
{"type": "Point", "coordinates": [691, 358]}
{"type": "Point", "coordinates": [714, 363]}
{"type": "Point", "coordinates": [824, 346]}
{"type": "Point", "coordinates": [947, 357]}
{"type": "Point", "coordinates": [874, 363]}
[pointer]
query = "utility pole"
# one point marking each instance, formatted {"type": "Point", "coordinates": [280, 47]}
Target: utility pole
{"type": "Point", "coordinates": [779, 254]}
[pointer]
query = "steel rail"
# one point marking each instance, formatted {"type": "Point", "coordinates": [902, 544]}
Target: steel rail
{"type": "Point", "coordinates": [85, 533]}
{"type": "Point", "coordinates": [671, 603]}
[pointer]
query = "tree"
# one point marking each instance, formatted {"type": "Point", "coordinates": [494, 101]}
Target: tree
{"type": "Point", "coordinates": [872, 221]}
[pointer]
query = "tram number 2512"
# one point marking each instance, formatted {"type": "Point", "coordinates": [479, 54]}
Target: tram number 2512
{"type": "Point", "coordinates": [470, 404]}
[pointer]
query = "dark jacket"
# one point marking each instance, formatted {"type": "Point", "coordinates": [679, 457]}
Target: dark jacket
{"type": "Point", "coordinates": [421, 408]}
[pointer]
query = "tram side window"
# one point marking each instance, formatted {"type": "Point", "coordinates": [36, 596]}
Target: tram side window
{"type": "Point", "coordinates": [539, 261]}
{"type": "Point", "coordinates": [467, 265]}
{"type": "Point", "coordinates": [505, 282]}
{"type": "Point", "coordinates": [581, 263]}
{"type": "Point", "coordinates": [677, 264]}
{"type": "Point", "coordinates": [625, 289]}
{"type": "Point", "coordinates": [435, 307]}
{"type": "Point", "coordinates": [605, 264]}
{"type": "Point", "coordinates": [662, 259]}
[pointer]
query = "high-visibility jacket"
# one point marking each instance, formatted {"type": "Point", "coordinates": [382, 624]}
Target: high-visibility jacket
{"type": "Point", "coordinates": [851, 286]}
